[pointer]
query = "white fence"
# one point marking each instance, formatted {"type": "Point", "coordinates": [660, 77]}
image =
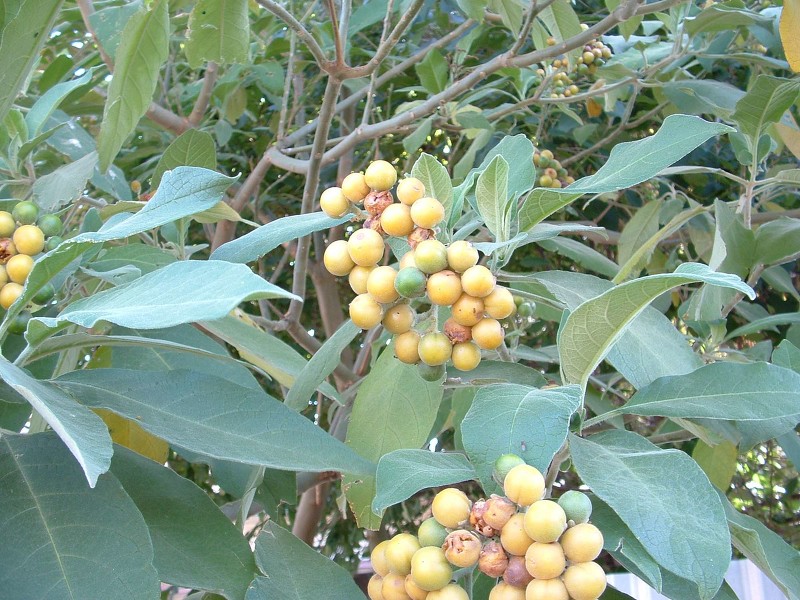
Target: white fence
{"type": "Point", "coordinates": [744, 577]}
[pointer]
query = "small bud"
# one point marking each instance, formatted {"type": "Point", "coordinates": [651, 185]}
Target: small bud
{"type": "Point", "coordinates": [462, 548]}
{"type": "Point", "coordinates": [499, 510]}
{"type": "Point", "coordinates": [493, 560]}
{"type": "Point", "coordinates": [517, 573]}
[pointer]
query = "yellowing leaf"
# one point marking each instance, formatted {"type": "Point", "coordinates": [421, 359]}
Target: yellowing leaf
{"type": "Point", "coordinates": [127, 433]}
{"type": "Point", "coordinates": [790, 33]}
{"type": "Point", "coordinates": [594, 108]}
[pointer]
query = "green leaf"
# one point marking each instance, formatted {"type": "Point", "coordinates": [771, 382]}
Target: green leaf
{"type": "Point", "coordinates": [562, 23]}
{"type": "Point", "coordinates": [266, 238]}
{"type": "Point", "coordinates": [787, 355]}
{"type": "Point", "coordinates": [433, 72]}
{"type": "Point", "coordinates": [192, 148]}
{"type": "Point", "coordinates": [597, 324]}
{"type": "Point", "coordinates": [718, 462]}
{"type": "Point", "coordinates": [219, 31]}
{"type": "Point", "coordinates": [413, 141]}
{"type": "Point", "coordinates": [403, 473]}
{"type": "Point", "coordinates": [520, 419]}
{"type": "Point", "coordinates": [265, 351]}
{"type": "Point", "coordinates": [84, 543]}
{"type": "Point", "coordinates": [491, 193]}
{"type": "Point", "coordinates": [213, 416]}
{"type": "Point", "coordinates": [44, 107]}
{"type": "Point", "coordinates": [764, 104]}
{"type": "Point", "coordinates": [140, 256]}
{"type": "Point", "coordinates": [722, 17]}
{"type": "Point", "coordinates": [629, 164]}
{"type": "Point", "coordinates": [777, 559]}
{"type": "Point", "coordinates": [64, 185]}
{"type": "Point", "coordinates": [778, 241]}
{"type": "Point", "coordinates": [295, 571]}
{"type": "Point", "coordinates": [142, 51]}
{"type": "Point", "coordinates": [109, 23]}
{"type": "Point", "coordinates": [214, 556]}
{"type": "Point", "coordinates": [587, 257]}
{"type": "Point", "coordinates": [394, 409]}
{"type": "Point", "coordinates": [510, 12]}
{"type": "Point", "coordinates": [664, 498]}
{"type": "Point", "coordinates": [25, 27]}
{"type": "Point", "coordinates": [170, 296]}
{"type": "Point", "coordinates": [759, 325]}
{"type": "Point", "coordinates": [474, 9]}
{"type": "Point", "coordinates": [489, 372]}
{"type": "Point", "coordinates": [322, 364]}
{"type": "Point", "coordinates": [82, 431]}
{"type": "Point", "coordinates": [635, 356]}
{"type": "Point", "coordinates": [436, 180]}
{"type": "Point", "coordinates": [721, 390]}
{"type": "Point", "coordinates": [641, 227]}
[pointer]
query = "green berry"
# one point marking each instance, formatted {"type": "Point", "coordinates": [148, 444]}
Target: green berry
{"type": "Point", "coordinates": [576, 505]}
{"type": "Point", "coordinates": [429, 373]}
{"type": "Point", "coordinates": [25, 212]}
{"type": "Point", "coordinates": [50, 225]}
{"type": "Point", "coordinates": [410, 282]}
{"type": "Point", "coordinates": [504, 464]}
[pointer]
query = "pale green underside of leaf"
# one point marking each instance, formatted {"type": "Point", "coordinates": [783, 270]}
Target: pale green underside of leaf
{"type": "Point", "coordinates": [219, 31]}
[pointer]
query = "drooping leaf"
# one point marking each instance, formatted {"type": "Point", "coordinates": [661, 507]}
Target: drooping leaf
{"type": "Point", "coordinates": [722, 17]}
{"type": "Point", "coordinates": [64, 185]}
{"type": "Point", "coordinates": [210, 415]}
{"type": "Point", "coordinates": [764, 104]}
{"type": "Point", "coordinates": [629, 164]}
{"type": "Point", "coordinates": [597, 324]}
{"type": "Point", "coordinates": [664, 498]}
{"type": "Point", "coordinates": [718, 462]}
{"type": "Point", "coordinates": [587, 257]}
{"type": "Point", "coordinates": [403, 473]}
{"type": "Point", "coordinates": [219, 31]}
{"type": "Point", "coordinates": [394, 409]}
{"type": "Point", "coordinates": [82, 431]}
{"type": "Point", "coordinates": [519, 419]}
{"type": "Point", "coordinates": [491, 194]}
{"type": "Point", "coordinates": [641, 227]}
{"type": "Point", "coordinates": [214, 556]}
{"type": "Point", "coordinates": [489, 372]}
{"type": "Point", "coordinates": [266, 238]}
{"type": "Point", "coordinates": [85, 543]}
{"type": "Point", "coordinates": [562, 23]}
{"type": "Point", "coordinates": [322, 364]}
{"type": "Point", "coordinates": [143, 49]}
{"type": "Point", "coordinates": [192, 148]}
{"type": "Point", "coordinates": [25, 27]}
{"type": "Point", "coordinates": [433, 72]}
{"type": "Point", "coordinates": [294, 571]}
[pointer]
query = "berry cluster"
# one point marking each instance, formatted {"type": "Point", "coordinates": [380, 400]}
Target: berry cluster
{"type": "Point", "coordinates": [431, 273]}
{"type": "Point", "coordinates": [22, 237]}
{"type": "Point", "coordinates": [553, 174]}
{"type": "Point", "coordinates": [543, 550]}
{"type": "Point", "coordinates": [565, 72]}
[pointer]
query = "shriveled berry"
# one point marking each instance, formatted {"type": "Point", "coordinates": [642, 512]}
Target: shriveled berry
{"type": "Point", "coordinates": [516, 574]}
{"type": "Point", "coordinates": [444, 288]}
{"type": "Point", "coordinates": [334, 203]}
{"type": "Point", "coordinates": [380, 175]}
{"type": "Point", "coordinates": [380, 284]}
{"type": "Point", "coordinates": [420, 234]}
{"type": "Point", "coordinates": [493, 560]}
{"type": "Point", "coordinates": [488, 334]}
{"type": "Point", "coordinates": [466, 356]}
{"type": "Point", "coordinates": [430, 256]}
{"type": "Point", "coordinates": [435, 349]}
{"type": "Point", "coordinates": [467, 311]}
{"type": "Point", "coordinates": [365, 312]}
{"type": "Point", "coordinates": [337, 259]}
{"type": "Point", "coordinates": [7, 250]}
{"type": "Point", "coordinates": [374, 223]}
{"type": "Point", "coordinates": [499, 510]}
{"type": "Point", "coordinates": [462, 548]}
{"type": "Point", "coordinates": [396, 220]}
{"type": "Point", "coordinates": [376, 202]}
{"type": "Point", "coordinates": [461, 255]}
{"type": "Point", "coordinates": [456, 332]}
{"type": "Point", "coordinates": [476, 519]}
{"type": "Point", "coordinates": [399, 319]}
{"type": "Point", "coordinates": [409, 190]}
{"type": "Point", "coordinates": [427, 212]}
{"type": "Point", "coordinates": [366, 247]}
{"type": "Point", "coordinates": [406, 347]}
{"type": "Point", "coordinates": [355, 187]}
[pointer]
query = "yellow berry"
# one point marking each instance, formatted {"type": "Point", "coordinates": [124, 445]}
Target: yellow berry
{"type": "Point", "coordinates": [394, 587]}
{"type": "Point", "coordinates": [499, 304]}
{"type": "Point", "coordinates": [378, 558]}
{"type": "Point", "coordinates": [451, 506]}
{"type": "Point", "coordinates": [427, 213]}
{"type": "Point", "coordinates": [582, 542]}
{"type": "Point", "coordinates": [546, 589]}
{"type": "Point", "coordinates": [585, 581]}
{"type": "Point", "coordinates": [337, 259]}
{"type": "Point", "coordinates": [449, 592]}
{"type": "Point", "coordinates": [396, 220]}
{"type": "Point", "coordinates": [488, 333]}
{"type": "Point", "coordinates": [444, 288]}
{"type": "Point", "coordinates": [524, 485]}
{"type": "Point", "coordinates": [406, 347]}
{"type": "Point", "coordinates": [435, 349]}
{"type": "Point", "coordinates": [366, 247]}
{"type": "Point", "coordinates": [374, 588]}
{"type": "Point", "coordinates": [9, 294]}
{"type": "Point", "coordinates": [430, 569]}
{"type": "Point", "coordinates": [7, 224]}
{"type": "Point", "coordinates": [358, 278]}
{"type": "Point", "coordinates": [513, 537]}
{"type": "Point", "coordinates": [478, 281]}
{"type": "Point", "coordinates": [461, 256]}
{"type": "Point", "coordinates": [334, 203]}
{"type": "Point", "coordinates": [407, 260]}
{"type": "Point", "coordinates": [380, 284]}
{"type": "Point", "coordinates": [413, 590]}
{"type": "Point", "coordinates": [504, 591]}
{"type": "Point", "coordinates": [467, 310]}
{"type": "Point", "coordinates": [3, 276]}
{"type": "Point", "coordinates": [29, 239]}
{"type": "Point", "coordinates": [18, 267]}
{"type": "Point", "coordinates": [399, 319]}
{"type": "Point", "coordinates": [399, 552]}
{"type": "Point", "coordinates": [466, 356]}
{"type": "Point", "coordinates": [545, 561]}
{"type": "Point", "coordinates": [355, 187]}
{"type": "Point", "coordinates": [380, 175]}
{"type": "Point", "coordinates": [545, 521]}
{"type": "Point", "coordinates": [409, 190]}
{"type": "Point", "coordinates": [430, 256]}
{"type": "Point", "coordinates": [365, 312]}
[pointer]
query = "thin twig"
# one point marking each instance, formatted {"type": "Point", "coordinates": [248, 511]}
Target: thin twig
{"type": "Point", "coordinates": [204, 97]}
{"type": "Point", "coordinates": [303, 33]}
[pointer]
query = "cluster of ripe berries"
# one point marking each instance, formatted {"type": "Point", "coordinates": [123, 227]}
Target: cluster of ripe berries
{"type": "Point", "coordinates": [443, 276]}
{"type": "Point", "coordinates": [553, 174]}
{"type": "Point", "coordinates": [593, 56]}
{"type": "Point", "coordinates": [24, 233]}
{"type": "Point", "coordinates": [543, 550]}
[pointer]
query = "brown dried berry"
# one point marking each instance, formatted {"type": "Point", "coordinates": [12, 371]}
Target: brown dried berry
{"type": "Point", "coordinates": [7, 250]}
{"type": "Point", "coordinates": [457, 334]}
{"type": "Point", "coordinates": [374, 223]}
{"type": "Point", "coordinates": [517, 573]}
{"type": "Point", "coordinates": [493, 560]}
{"type": "Point", "coordinates": [376, 202]}
{"type": "Point", "coordinates": [462, 548]}
{"type": "Point", "coordinates": [499, 510]}
{"type": "Point", "coordinates": [419, 235]}
{"type": "Point", "coordinates": [479, 508]}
